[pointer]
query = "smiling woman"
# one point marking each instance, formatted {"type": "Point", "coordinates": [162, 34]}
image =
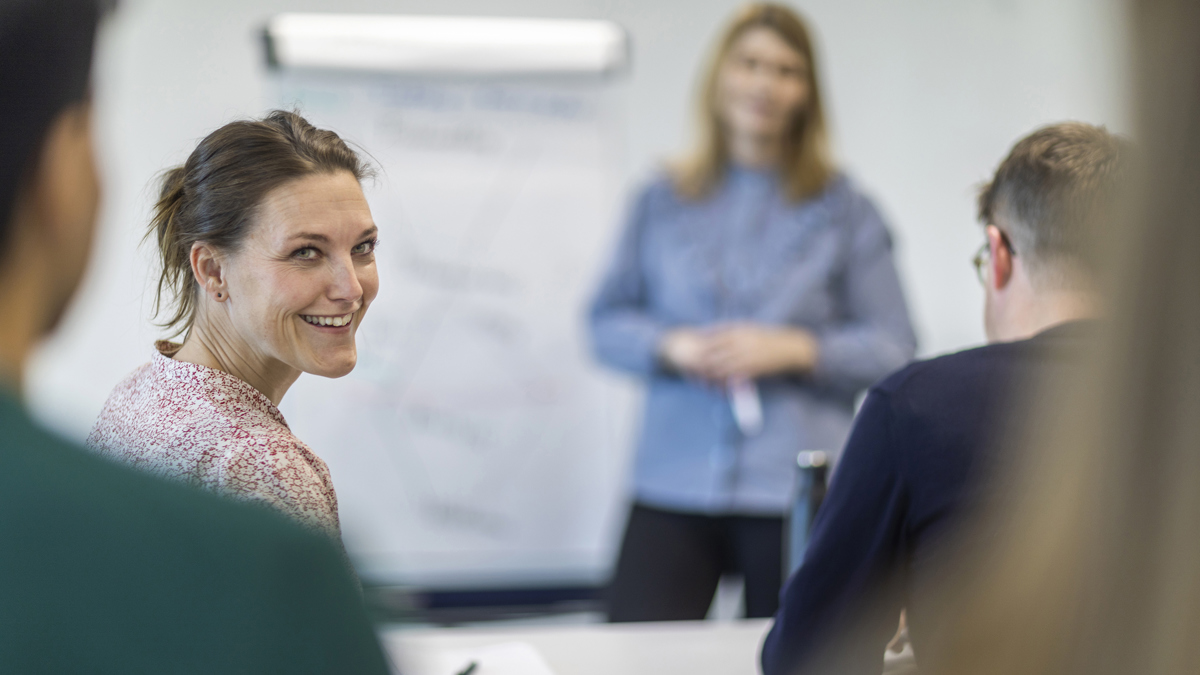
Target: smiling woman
{"type": "Point", "coordinates": [268, 255]}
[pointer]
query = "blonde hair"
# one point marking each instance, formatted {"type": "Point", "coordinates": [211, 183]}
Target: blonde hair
{"type": "Point", "coordinates": [1090, 561]}
{"type": "Point", "coordinates": [806, 164]}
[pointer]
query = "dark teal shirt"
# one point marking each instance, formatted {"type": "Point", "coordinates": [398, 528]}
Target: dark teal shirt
{"type": "Point", "coordinates": [105, 570]}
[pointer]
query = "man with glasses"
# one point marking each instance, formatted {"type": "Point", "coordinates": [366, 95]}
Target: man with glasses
{"type": "Point", "coordinates": [922, 442]}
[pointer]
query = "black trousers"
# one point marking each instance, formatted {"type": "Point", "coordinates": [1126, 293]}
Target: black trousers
{"type": "Point", "coordinates": [670, 564]}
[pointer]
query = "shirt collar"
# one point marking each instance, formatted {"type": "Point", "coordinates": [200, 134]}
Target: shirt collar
{"type": "Point", "coordinates": [215, 383]}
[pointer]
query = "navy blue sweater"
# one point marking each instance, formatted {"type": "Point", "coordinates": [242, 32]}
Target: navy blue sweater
{"type": "Point", "coordinates": [911, 467]}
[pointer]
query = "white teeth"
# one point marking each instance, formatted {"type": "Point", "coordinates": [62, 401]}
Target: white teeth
{"type": "Point", "coordinates": [335, 321]}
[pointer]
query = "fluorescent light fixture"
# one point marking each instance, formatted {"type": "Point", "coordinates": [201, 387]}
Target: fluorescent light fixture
{"type": "Point", "coordinates": [444, 45]}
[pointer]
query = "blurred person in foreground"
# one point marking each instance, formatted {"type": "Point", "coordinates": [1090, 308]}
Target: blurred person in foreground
{"type": "Point", "coordinates": [104, 569]}
{"type": "Point", "coordinates": [924, 442]}
{"type": "Point", "coordinates": [755, 292]}
{"type": "Point", "coordinates": [1089, 561]}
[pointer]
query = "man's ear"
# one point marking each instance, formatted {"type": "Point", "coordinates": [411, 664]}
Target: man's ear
{"type": "Point", "coordinates": [65, 185]}
{"type": "Point", "coordinates": [54, 218]}
{"type": "Point", "coordinates": [208, 271]}
{"type": "Point", "coordinates": [1001, 259]}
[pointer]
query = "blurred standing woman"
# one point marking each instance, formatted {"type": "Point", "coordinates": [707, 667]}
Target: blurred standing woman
{"type": "Point", "coordinates": [754, 290]}
{"type": "Point", "coordinates": [267, 248]}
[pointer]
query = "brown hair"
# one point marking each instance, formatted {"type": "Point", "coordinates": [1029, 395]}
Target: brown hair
{"type": "Point", "coordinates": [1090, 564]}
{"type": "Point", "coordinates": [214, 196]}
{"type": "Point", "coordinates": [1057, 185]}
{"type": "Point", "coordinates": [806, 162]}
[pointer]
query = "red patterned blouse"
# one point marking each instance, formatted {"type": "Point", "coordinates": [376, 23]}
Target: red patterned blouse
{"type": "Point", "coordinates": [206, 427]}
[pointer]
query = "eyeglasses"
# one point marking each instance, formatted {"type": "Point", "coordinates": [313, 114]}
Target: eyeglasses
{"type": "Point", "coordinates": [984, 255]}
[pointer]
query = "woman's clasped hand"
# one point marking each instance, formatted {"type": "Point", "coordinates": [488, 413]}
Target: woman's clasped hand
{"type": "Point", "coordinates": [738, 351]}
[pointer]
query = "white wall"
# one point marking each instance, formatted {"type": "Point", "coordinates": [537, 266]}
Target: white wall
{"type": "Point", "coordinates": [926, 97]}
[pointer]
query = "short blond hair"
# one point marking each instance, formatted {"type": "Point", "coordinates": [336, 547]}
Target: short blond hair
{"type": "Point", "coordinates": [1055, 190]}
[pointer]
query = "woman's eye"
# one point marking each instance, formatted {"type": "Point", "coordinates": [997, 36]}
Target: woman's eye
{"type": "Point", "coordinates": [365, 247]}
{"type": "Point", "coordinates": [306, 253]}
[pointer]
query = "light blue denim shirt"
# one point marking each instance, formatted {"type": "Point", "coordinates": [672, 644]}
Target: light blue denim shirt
{"type": "Point", "coordinates": [746, 253]}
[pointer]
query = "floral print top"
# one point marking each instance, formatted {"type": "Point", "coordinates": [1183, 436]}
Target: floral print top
{"type": "Point", "coordinates": [203, 426]}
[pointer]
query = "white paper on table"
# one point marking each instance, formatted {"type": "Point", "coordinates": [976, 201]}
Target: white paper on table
{"type": "Point", "coordinates": [747, 406]}
{"type": "Point", "coordinates": [507, 658]}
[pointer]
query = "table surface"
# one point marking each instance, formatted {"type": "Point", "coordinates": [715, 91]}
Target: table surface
{"type": "Point", "coordinates": [693, 647]}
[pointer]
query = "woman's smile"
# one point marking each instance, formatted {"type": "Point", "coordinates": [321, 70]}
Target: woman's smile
{"type": "Point", "coordinates": [306, 276]}
{"type": "Point", "coordinates": [334, 323]}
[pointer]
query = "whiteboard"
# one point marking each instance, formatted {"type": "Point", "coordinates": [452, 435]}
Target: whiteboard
{"type": "Point", "coordinates": [476, 442]}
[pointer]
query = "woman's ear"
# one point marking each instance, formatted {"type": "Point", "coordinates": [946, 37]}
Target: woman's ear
{"type": "Point", "coordinates": [208, 271]}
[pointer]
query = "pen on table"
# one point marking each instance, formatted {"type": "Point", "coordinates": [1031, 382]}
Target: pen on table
{"type": "Point", "coordinates": [469, 669]}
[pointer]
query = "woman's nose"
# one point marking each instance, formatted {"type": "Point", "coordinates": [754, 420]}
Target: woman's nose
{"type": "Point", "coordinates": [344, 284]}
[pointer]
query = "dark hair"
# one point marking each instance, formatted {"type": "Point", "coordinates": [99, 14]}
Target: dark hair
{"type": "Point", "coordinates": [45, 67]}
{"type": "Point", "coordinates": [213, 198]}
{"type": "Point", "coordinates": [1055, 188]}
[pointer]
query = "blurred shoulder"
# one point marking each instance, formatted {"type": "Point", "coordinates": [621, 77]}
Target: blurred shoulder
{"type": "Point", "coordinates": [841, 185]}
{"type": "Point", "coordinates": [857, 221]}
{"type": "Point", "coordinates": [141, 561]}
{"type": "Point", "coordinates": [844, 193]}
{"type": "Point", "coordinates": [951, 374]}
{"type": "Point", "coordinates": [77, 518]}
{"type": "Point", "coordinates": [658, 193]}
{"type": "Point", "coordinates": [45, 475]}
